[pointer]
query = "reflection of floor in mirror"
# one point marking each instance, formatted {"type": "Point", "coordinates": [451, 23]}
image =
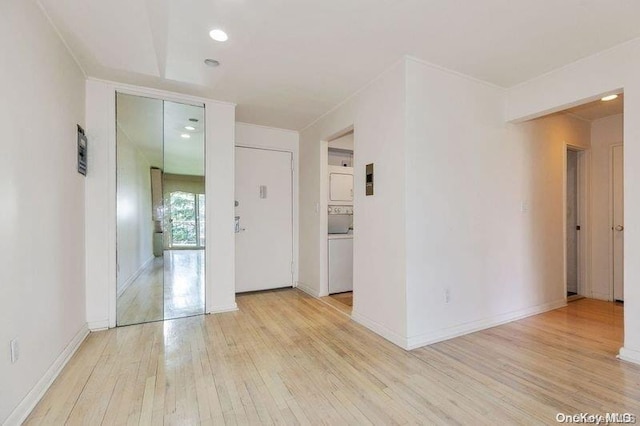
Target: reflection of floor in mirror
{"type": "Point", "coordinates": [180, 282]}
{"type": "Point", "coordinates": [341, 301]}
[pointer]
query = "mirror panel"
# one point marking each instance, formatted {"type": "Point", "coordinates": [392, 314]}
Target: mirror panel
{"type": "Point", "coordinates": [140, 265]}
{"type": "Point", "coordinates": [160, 210]}
{"type": "Point", "coordinates": [183, 192]}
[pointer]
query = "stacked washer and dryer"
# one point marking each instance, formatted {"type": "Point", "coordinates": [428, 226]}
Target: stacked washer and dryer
{"type": "Point", "coordinates": [340, 229]}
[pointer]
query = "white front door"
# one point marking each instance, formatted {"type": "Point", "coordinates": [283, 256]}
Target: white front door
{"type": "Point", "coordinates": [264, 219]}
{"type": "Point", "coordinates": [617, 227]}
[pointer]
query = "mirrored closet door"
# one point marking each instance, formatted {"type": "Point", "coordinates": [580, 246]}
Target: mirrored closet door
{"type": "Point", "coordinates": [160, 210]}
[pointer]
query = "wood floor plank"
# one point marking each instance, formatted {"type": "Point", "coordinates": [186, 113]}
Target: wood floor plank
{"type": "Point", "coordinates": [286, 358]}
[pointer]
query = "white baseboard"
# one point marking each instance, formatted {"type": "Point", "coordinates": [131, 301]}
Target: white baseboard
{"type": "Point", "coordinates": [425, 339]}
{"type": "Point", "coordinates": [310, 291]}
{"type": "Point", "coordinates": [135, 276]}
{"type": "Point", "coordinates": [98, 325]}
{"type": "Point", "coordinates": [601, 296]}
{"type": "Point", "coordinates": [223, 309]}
{"type": "Point", "coordinates": [629, 355]}
{"type": "Point", "coordinates": [380, 329]}
{"type": "Point", "coordinates": [28, 403]}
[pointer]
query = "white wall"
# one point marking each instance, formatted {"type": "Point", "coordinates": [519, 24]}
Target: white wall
{"type": "Point", "coordinates": [584, 80]}
{"type": "Point", "coordinates": [467, 176]}
{"type": "Point", "coordinates": [100, 207]}
{"type": "Point", "coordinates": [340, 158]}
{"type": "Point", "coordinates": [605, 133]}
{"type": "Point", "coordinates": [343, 142]}
{"type": "Point", "coordinates": [42, 215]}
{"type": "Point", "coordinates": [377, 115]}
{"type": "Point", "coordinates": [255, 136]}
{"type": "Point", "coordinates": [379, 262]}
{"type": "Point", "coordinates": [134, 220]}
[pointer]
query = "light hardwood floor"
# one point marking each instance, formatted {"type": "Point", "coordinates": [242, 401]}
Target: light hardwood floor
{"type": "Point", "coordinates": [287, 358]}
{"type": "Point", "coordinates": [341, 301]}
{"type": "Point", "coordinates": [172, 286]}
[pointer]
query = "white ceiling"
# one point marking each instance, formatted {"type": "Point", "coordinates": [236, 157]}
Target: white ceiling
{"type": "Point", "coordinates": [289, 61]}
{"type": "Point", "coordinates": [155, 129]}
{"type": "Point", "coordinates": [598, 109]}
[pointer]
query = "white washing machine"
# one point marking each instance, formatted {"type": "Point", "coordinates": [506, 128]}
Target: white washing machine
{"type": "Point", "coordinates": [340, 263]}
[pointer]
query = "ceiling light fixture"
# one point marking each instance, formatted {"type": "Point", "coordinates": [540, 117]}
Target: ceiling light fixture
{"type": "Point", "coordinates": [190, 128]}
{"type": "Point", "coordinates": [218, 35]}
{"type": "Point", "coordinates": [211, 62]}
{"type": "Point", "coordinates": [185, 136]}
{"type": "Point", "coordinates": [609, 98]}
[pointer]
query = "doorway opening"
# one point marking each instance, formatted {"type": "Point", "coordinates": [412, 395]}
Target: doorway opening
{"type": "Point", "coordinates": [617, 222]}
{"type": "Point", "coordinates": [340, 221]}
{"type": "Point", "coordinates": [160, 210]}
{"type": "Point", "coordinates": [575, 222]}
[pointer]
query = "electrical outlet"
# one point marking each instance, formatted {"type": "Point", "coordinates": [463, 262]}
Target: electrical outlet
{"type": "Point", "coordinates": [524, 206]}
{"type": "Point", "coordinates": [447, 295]}
{"type": "Point", "coordinates": [15, 350]}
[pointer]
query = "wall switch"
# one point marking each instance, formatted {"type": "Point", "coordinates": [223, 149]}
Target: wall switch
{"type": "Point", "coordinates": [15, 350]}
{"type": "Point", "coordinates": [447, 295]}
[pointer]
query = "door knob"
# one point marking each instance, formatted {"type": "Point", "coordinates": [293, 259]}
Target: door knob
{"type": "Point", "coordinates": [619, 228]}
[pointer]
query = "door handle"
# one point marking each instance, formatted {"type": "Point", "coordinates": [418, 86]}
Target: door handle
{"type": "Point", "coordinates": [619, 228]}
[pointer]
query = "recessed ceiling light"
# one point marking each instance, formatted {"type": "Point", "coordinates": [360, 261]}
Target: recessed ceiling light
{"type": "Point", "coordinates": [185, 135]}
{"type": "Point", "coordinates": [212, 62]}
{"type": "Point", "coordinates": [189, 128]}
{"type": "Point", "coordinates": [218, 35]}
{"type": "Point", "coordinates": [609, 98]}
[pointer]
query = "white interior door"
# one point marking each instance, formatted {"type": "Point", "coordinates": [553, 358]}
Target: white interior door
{"type": "Point", "coordinates": [264, 219]}
{"type": "Point", "coordinates": [617, 227]}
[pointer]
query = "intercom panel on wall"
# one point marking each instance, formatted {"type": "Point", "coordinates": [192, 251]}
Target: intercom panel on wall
{"type": "Point", "coordinates": [369, 179]}
{"type": "Point", "coordinates": [82, 152]}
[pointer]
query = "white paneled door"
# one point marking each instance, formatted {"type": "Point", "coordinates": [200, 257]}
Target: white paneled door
{"type": "Point", "coordinates": [617, 227]}
{"type": "Point", "coordinates": [264, 219]}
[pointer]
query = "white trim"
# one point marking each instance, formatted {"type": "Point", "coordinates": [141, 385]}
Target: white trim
{"type": "Point", "coordinates": [223, 309]}
{"type": "Point", "coordinates": [601, 296]}
{"type": "Point", "coordinates": [354, 94]}
{"type": "Point", "coordinates": [629, 355]}
{"type": "Point", "coordinates": [28, 403]}
{"type": "Point", "coordinates": [612, 292]}
{"type": "Point", "coordinates": [244, 123]}
{"type": "Point", "coordinates": [455, 73]}
{"type": "Point", "coordinates": [584, 236]}
{"type": "Point", "coordinates": [576, 62]}
{"type": "Point", "coordinates": [135, 276]}
{"type": "Point", "coordinates": [309, 290]}
{"type": "Point", "coordinates": [420, 340]}
{"type": "Point", "coordinates": [59, 34]}
{"type": "Point", "coordinates": [107, 124]}
{"type": "Point", "coordinates": [98, 325]}
{"type": "Point", "coordinates": [165, 95]}
{"type": "Point", "coordinates": [381, 330]}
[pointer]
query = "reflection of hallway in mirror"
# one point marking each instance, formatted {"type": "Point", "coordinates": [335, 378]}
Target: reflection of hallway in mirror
{"type": "Point", "coordinates": [183, 283]}
{"type": "Point", "coordinates": [183, 289]}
